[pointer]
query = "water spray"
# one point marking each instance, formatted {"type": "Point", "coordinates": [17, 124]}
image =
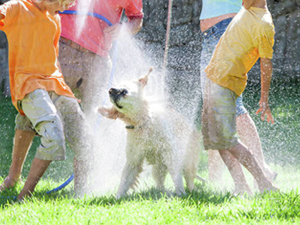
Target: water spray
{"type": "Point", "coordinates": [168, 34]}
{"type": "Point", "coordinates": [70, 12]}
{"type": "Point", "coordinates": [169, 20]}
{"type": "Point", "coordinates": [73, 12]}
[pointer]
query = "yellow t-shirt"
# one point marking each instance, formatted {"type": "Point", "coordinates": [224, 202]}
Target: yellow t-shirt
{"type": "Point", "coordinates": [33, 38]}
{"type": "Point", "coordinates": [250, 35]}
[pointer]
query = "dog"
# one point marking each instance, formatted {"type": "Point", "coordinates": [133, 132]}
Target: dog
{"type": "Point", "coordinates": [157, 134]}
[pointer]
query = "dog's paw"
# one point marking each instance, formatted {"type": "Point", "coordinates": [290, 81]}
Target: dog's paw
{"type": "Point", "coordinates": [103, 111]}
{"type": "Point", "coordinates": [110, 113]}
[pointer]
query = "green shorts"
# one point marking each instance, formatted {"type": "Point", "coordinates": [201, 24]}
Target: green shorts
{"type": "Point", "coordinates": [56, 119]}
{"type": "Point", "coordinates": [23, 123]}
{"type": "Point", "coordinates": [219, 117]}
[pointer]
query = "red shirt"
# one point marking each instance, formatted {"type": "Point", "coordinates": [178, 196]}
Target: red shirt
{"type": "Point", "coordinates": [87, 31]}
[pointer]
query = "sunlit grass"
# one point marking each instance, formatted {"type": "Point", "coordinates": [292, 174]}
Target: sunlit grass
{"type": "Point", "coordinates": [203, 206]}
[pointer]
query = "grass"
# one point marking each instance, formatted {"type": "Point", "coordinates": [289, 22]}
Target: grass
{"type": "Point", "coordinates": [205, 205]}
{"type": "Point", "coordinates": [200, 207]}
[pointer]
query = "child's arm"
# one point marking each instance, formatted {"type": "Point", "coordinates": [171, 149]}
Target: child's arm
{"type": "Point", "coordinates": [133, 27]}
{"type": "Point", "coordinates": [248, 3]}
{"type": "Point", "coordinates": [266, 76]}
{"type": "Point", "coordinates": [255, 3]}
{"type": "Point", "coordinates": [1, 16]}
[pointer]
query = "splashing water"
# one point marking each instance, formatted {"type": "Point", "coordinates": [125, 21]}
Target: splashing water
{"type": "Point", "coordinates": [84, 7]}
{"type": "Point", "coordinates": [110, 135]}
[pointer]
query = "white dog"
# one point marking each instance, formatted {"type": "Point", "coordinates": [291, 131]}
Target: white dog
{"type": "Point", "coordinates": [159, 135]}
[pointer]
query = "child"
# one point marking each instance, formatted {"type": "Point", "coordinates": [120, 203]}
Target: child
{"type": "Point", "coordinates": [78, 62]}
{"type": "Point", "coordinates": [38, 89]}
{"type": "Point", "coordinates": [249, 36]}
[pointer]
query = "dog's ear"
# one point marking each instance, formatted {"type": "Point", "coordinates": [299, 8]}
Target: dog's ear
{"type": "Point", "coordinates": [143, 81]}
{"type": "Point", "coordinates": [110, 113]}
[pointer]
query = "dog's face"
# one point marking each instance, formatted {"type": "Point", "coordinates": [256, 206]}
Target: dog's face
{"type": "Point", "coordinates": [129, 98]}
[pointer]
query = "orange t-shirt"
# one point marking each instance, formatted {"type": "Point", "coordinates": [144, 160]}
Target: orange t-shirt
{"type": "Point", "coordinates": [33, 49]}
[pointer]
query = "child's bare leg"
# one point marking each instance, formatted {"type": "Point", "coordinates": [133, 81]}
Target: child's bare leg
{"type": "Point", "coordinates": [37, 170]}
{"type": "Point", "coordinates": [77, 133]}
{"type": "Point", "coordinates": [215, 167]}
{"type": "Point", "coordinates": [251, 139]}
{"type": "Point", "coordinates": [22, 142]}
{"type": "Point", "coordinates": [236, 171]}
{"type": "Point", "coordinates": [247, 159]}
{"type": "Point", "coordinates": [81, 171]}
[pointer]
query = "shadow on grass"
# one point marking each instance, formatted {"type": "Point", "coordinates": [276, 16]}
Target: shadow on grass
{"type": "Point", "coordinates": [201, 195]}
{"type": "Point", "coordinates": [260, 207]}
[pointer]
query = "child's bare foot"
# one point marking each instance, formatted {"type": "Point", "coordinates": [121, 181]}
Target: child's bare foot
{"type": "Point", "coordinates": [267, 186]}
{"type": "Point", "coordinates": [243, 190]}
{"type": "Point", "coordinates": [23, 194]}
{"type": "Point", "coordinates": [8, 183]}
{"type": "Point", "coordinates": [274, 176]}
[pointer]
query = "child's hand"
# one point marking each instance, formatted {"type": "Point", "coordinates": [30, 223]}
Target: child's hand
{"type": "Point", "coordinates": [112, 32]}
{"type": "Point", "coordinates": [265, 110]}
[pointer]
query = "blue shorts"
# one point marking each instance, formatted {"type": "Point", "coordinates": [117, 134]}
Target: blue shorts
{"type": "Point", "coordinates": [240, 109]}
{"type": "Point", "coordinates": [210, 39]}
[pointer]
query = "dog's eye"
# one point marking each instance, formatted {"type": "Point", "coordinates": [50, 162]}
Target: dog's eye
{"type": "Point", "coordinates": [124, 92]}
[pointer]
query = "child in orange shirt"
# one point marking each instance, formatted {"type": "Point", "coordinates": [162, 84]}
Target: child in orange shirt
{"type": "Point", "coordinates": [38, 89]}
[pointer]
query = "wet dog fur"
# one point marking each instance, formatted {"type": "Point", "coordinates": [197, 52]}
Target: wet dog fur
{"type": "Point", "coordinates": [157, 134]}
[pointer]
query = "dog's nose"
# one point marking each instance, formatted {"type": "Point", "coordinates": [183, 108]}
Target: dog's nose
{"type": "Point", "coordinates": [113, 91]}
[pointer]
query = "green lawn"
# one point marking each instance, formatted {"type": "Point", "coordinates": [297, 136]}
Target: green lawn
{"type": "Point", "coordinates": [206, 205]}
{"type": "Point", "coordinates": [203, 206]}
